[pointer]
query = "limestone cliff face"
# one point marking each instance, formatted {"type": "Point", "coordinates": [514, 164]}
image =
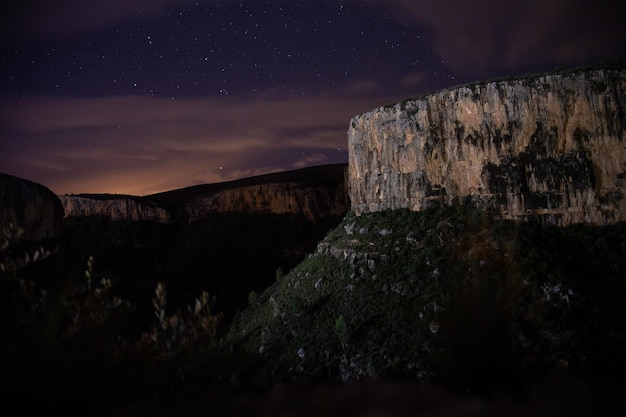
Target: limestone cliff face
{"type": "Point", "coordinates": [315, 193]}
{"type": "Point", "coordinates": [116, 209]}
{"type": "Point", "coordinates": [552, 146]}
{"type": "Point", "coordinates": [30, 206]}
{"type": "Point", "coordinates": [311, 201]}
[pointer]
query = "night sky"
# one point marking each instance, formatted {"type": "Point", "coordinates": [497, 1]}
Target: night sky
{"type": "Point", "coordinates": [142, 96]}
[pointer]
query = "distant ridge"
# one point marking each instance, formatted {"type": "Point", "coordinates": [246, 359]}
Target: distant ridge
{"type": "Point", "coordinates": [311, 191]}
{"type": "Point", "coordinates": [321, 174]}
{"type": "Point", "coordinates": [174, 199]}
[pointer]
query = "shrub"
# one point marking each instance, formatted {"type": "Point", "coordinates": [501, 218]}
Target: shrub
{"type": "Point", "coordinates": [174, 333]}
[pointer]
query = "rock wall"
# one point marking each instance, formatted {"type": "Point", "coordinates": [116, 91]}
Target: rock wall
{"type": "Point", "coordinates": [117, 209]}
{"type": "Point", "coordinates": [551, 146]}
{"type": "Point", "coordinates": [311, 201]}
{"type": "Point", "coordinates": [30, 206]}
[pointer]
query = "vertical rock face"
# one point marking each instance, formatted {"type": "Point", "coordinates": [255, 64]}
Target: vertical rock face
{"type": "Point", "coordinates": [32, 207]}
{"type": "Point", "coordinates": [317, 193]}
{"type": "Point", "coordinates": [310, 201]}
{"type": "Point", "coordinates": [116, 209]}
{"type": "Point", "coordinates": [551, 146]}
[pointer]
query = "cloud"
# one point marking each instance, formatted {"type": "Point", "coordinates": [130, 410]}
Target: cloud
{"type": "Point", "coordinates": [362, 86]}
{"type": "Point", "coordinates": [414, 80]}
{"type": "Point", "coordinates": [469, 36]}
{"type": "Point", "coordinates": [61, 18]}
{"type": "Point", "coordinates": [309, 160]}
{"type": "Point", "coordinates": [139, 145]}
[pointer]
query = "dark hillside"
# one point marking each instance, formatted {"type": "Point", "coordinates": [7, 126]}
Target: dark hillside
{"type": "Point", "coordinates": [395, 310]}
{"type": "Point", "coordinates": [446, 295]}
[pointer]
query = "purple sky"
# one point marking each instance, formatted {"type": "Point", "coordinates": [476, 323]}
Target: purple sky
{"type": "Point", "coordinates": [145, 96]}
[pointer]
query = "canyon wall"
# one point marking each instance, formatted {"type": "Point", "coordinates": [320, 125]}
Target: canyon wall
{"type": "Point", "coordinates": [314, 193]}
{"type": "Point", "coordinates": [311, 201]}
{"type": "Point", "coordinates": [117, 209]}
{"type": "Point", "coordinates": [549, 146]}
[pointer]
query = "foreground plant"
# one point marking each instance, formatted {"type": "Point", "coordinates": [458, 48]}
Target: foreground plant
{"type": "Point", "coordinates": [173, 333]}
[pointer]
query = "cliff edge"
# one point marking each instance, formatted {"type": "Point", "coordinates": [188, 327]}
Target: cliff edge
{"type": "Point", "coordinates": [311, 201]}
{"type": "Point", "coordinates": [30, 206]}
{"type": "Point", "coordinates": [116, 208]}
{"type": "Point", "coordinates": [315, 193]}
{"type": "Point", "coordinates": [548, 146]}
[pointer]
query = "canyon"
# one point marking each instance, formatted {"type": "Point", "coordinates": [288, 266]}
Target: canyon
{"type": "Point", "coordinates": [376, 270]}
{"type": "Point", "coordinates": [227, 238]}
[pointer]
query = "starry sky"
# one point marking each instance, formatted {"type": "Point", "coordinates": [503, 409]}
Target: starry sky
{"type": "Point", "coordinates": [142, 96]}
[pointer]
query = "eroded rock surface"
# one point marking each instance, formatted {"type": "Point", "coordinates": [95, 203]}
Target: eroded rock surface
{"type": "Point", "coordinates": [311, 201]}
{"type": "Point", "coordinates": [550, 146]}
{"type": "Point", "coordinates": [116, 209]}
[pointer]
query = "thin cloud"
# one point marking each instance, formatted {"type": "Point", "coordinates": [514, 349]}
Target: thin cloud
{"type": "Point", "coordinates": [144, 145]}
{"type": "Point", "coordinates": [472, 37]}
{"type": "Point", "coordinates": [36, 19]}
{"type": "Point", "coordinates": [414, 80]}
{"type": "Point", "coordinates": [310, 160]}
{"type": "Point", "coordinates": [362, 87]}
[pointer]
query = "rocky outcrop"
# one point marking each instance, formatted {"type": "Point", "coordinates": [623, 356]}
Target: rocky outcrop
{"type": "Point", "coordinates": [551, 146]}
{"type": "Point", "coordinates": [114, 208]}
{"type": "Point", "coordinates": [31, 207]}
{"type": "Point", "coordinates": [314, 202]}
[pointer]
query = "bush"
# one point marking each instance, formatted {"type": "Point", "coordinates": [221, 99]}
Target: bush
{"type": "Point", "coordinates": [77, 341]}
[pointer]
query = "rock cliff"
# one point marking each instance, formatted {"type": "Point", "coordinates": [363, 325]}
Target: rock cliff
{"type": "Point", "coordinates": [311, 201]}
{"type": "Point", "coordinates": [30, 206]}
{"type": "Point", "coordinates": [117, 208]}
{"type": "Point", "coordinates": [550, 146]}
{"type": "Point", "coordinates": [314, 193]}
